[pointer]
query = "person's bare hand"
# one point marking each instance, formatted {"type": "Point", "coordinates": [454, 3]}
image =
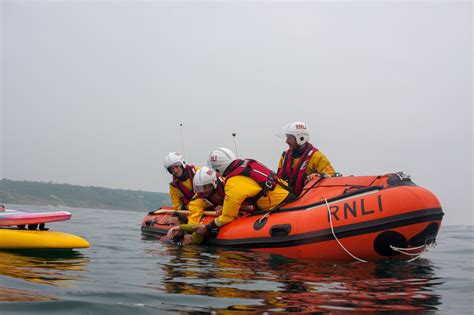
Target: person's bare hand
{"type": "Point", "coordinates": [202, 230]}
{"type": "Point", "coordinates": [310, 177]}
{"type": "Point", "coordinates": [172, 232]}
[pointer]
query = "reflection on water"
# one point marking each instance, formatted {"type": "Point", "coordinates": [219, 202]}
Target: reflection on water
{"type": "Point", "coordinates": [16, 295]}
{"type": "Point", "coordinates": [53, 268]}
{"type": "Point", "coordinates": [280, 284]}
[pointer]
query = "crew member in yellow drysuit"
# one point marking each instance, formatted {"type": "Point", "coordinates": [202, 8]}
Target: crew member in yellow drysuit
{"type": "Point", "coordinates": [181, 187]}
{"type": "Point", "coordinates": [246, 181]}
{"type": "Point", "coordinates": [301, 160]}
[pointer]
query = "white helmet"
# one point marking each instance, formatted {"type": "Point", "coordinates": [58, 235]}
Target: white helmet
{"type": "Point", "coordinates": [221, 158]}
{"type": "Point", "coordinates": [204, 177]}
{"type": "Point", "coordinates": [299, 130]}
{"type": "Point", "coordinates": [172, 159]}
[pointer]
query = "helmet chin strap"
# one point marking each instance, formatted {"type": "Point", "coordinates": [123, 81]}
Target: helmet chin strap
{"type": "Point", "coordinates": [298, 150]}
{"type": "Point", "coordinates": [184, 176]}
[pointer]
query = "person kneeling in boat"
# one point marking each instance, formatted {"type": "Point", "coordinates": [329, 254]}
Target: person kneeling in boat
{"type": "Point", "coordinates": [181, 187]}
{"type": "Point", "coordinates": [301, 162]}
{"type": "Point", "coordinates": [246, 180]}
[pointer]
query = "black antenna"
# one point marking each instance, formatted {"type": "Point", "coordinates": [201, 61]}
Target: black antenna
{"type": "Point", "coordinates": [235, 144]}
{"type": "Point", "coordinates": [182, 140]}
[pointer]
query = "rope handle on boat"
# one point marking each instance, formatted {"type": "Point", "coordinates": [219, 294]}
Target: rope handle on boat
{"type": "Point", "coordinates": [321, 177]}
{"type": "Point", "coordinates": [264, 216]}
{"type": "Point", "coordinates": [170, 211]}
{"type": "Point", "coordinates": [278, 207]}
{"type": "Point", "coordinates": [406, 251]}
{"type": "Point", "coordinates": [335, 237]}
{"type": "Point", "coordinates": [401, 250]}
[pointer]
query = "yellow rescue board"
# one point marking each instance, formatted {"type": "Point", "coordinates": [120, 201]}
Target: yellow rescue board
{"type": "Point", "coordinates": [35, 239]}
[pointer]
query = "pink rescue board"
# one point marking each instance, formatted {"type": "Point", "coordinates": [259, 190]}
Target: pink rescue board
{"type": "Point", "coordinates": [14, 217]}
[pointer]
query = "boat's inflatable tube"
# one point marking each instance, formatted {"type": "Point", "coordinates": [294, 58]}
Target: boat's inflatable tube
{"type": "Point", "coordinates": [370, 216]}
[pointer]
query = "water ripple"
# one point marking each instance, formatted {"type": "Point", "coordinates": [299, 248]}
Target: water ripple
{"type": "Point", "coordinates": [122, 273]}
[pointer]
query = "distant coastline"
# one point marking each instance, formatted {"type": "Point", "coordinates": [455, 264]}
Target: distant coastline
{"type": "Point", "coordinates": [54, 194]}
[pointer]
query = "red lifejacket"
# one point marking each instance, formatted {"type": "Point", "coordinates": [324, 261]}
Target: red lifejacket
{"type": "Point", "coordinates": [186, 194]}
{"type": "Point", "coordinates": [295, 176]}
{"type": "Point", "coordinates": [266, 178]}
{"type": "Point", "coordinates": [217, 198]}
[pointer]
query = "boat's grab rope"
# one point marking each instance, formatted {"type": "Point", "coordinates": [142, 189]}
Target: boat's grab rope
{"type": "Point", "coordinates": [335, 237]}
{"type": "Point", "coordinates": [401, 250]}
{"type": "Point", "coordinates": [406, 251]}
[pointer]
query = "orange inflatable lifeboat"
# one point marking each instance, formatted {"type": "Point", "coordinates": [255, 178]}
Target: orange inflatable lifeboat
{"type": "Point", "coordinates": [335, 218]}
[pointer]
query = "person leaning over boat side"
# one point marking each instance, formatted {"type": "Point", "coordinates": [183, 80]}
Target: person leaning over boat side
{"type": "Point", "coordinates": [245, 181]}
{"type": "Point", "coordinates": [209, 194]}
{"type": "Point", "coordinates": [181, 186]}
{"type": "Point", "coordinates": [209, 189]}
{"type": "Point", "coordinates": [301, 160]}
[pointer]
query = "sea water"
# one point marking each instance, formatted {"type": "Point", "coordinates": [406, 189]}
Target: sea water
{"type": "Point", "coordinates": [122, 273]}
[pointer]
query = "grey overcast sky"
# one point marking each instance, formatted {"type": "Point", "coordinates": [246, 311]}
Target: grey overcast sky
{"type": "Point", "coordinates": [93, 92]}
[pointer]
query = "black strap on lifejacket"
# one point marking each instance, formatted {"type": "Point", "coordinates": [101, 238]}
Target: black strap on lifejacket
{"type": "Point", "coordinates": [296, 175]}
{"type": "Point", "coordinates": [219, 191]}
{"type": "Point", "coordinates": [268, 183]}
{"type": "Point", "coordinates": [188, 172]}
